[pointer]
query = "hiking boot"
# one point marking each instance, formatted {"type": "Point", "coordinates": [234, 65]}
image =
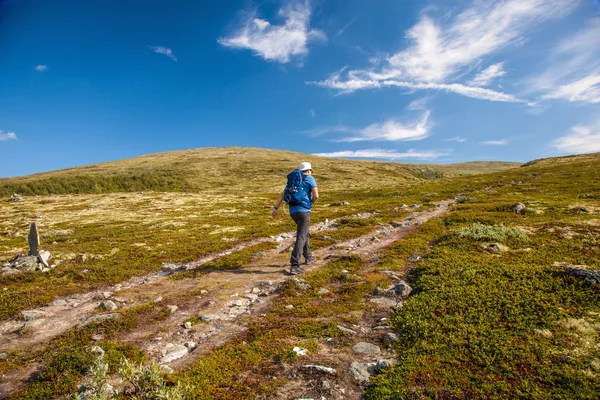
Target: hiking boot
{"type": "Point", "coordinates": [310, 260]}
{"type": "Point", "coordinates": [296, 271]}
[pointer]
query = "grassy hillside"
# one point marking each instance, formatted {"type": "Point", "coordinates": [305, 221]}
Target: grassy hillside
{"type": "Point", "coordinates": [229, 170]}
{"type": "Point", "coordinates": [480, 323]}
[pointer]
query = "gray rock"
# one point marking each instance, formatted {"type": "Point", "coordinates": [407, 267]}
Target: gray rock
{"type": "Point", "coordinates": [384, 364]}
{"type": "Point", "coordinates": [166, 368]}
{"type": "Point", "coordinates": [402, 289]}
{"type": "Point", "coordinates": [361, 372]}
{"type": "Point", "coordinates": [172, 308]}
{"type": "Point", "coordinates": [203, 291]}
{"type": "Point", "coordinates": [339, 204]}
{"type": "Point", "coordinates": [414, 258]}
{"type": "Point", "coordinates": [495, 248]}
{"type": "Point", "coordinates": [172, 352]}
{"type": "Point", "coordinates": [45, 256]}
{"type": "Point", "coordinates": [170, 269]}
{"type": "Point", "coordinates": [322, 291]}
{"type": "Point", "coordinates": [158, 299]}
{"type": "Point", "coordinates": [390, 338]}
{"type": "Point", "coordinates": [98, 318]}
{"type": "Point", "coordinates": [190, 345]}
{"type": "Point", "coordinates": [25, 263]}
{"type": "Point", "coordinates": [32, 315]}
{"type": "Point", "coordinates": [289, 307]}
{"type": "Point", "coordinates": [187, 325]}
{"type": "Point", "coordinates": [301, 284]}
{"type": "Point", "coordinates": [378, 291]}
{"type": "Point", "coordinates": [321, 368]}
{"type": "Point", "coordinates": [106, 295]}
{"type": "Point", "coordinates": [109, 305]}
{"type": "Point", "coordinates": [34, 240]}
{"type": "Point", "coordinates": [252, 297]}
{"type": "Point", "coordinates": [209, 317]}
{"type": "Point", "coordinates": [366, 348]}
{"type": "Point", "coordinates": [3, 356]}
{"type": "Point", "coordinates": [59, 303]}
{"type": "Point", "coordinates": [15, 198]}
{"type": "Point", "coordinates": [391, 274]}
{"type": "Point", "coordinates": [384, 301]}
{"type": "Point", "coordinates": [519, 208]}
{"type": "Point", "coordinates": [346, 330]}
{"type": "Point", "coordinates": [237, 303]}
{"type": "Point", "coordinates": [590, 277]}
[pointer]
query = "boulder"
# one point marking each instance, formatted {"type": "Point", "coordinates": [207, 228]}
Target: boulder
{"type": "Point", "coordinates": [402, 289]}
{"type": "Point", "coordinates": [519, 208]}
{"type": "Point", "coordinates": [32, 315]}
{"type": "Point", "coordinates": [366, 348]}
{"type": "Point", "coordinates": [361, 372]}
{"type": "Point", "coordinates": [172, 352]}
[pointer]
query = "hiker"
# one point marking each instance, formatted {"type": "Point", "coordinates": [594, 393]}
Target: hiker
{"type": "Point", "coordinates": [300, 194]}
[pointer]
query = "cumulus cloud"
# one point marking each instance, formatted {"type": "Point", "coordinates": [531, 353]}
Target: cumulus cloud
{"type": "Point", "coordinates": [501, 142]}
{"type": "Point", "coordinates": [440, 54]}
{"type": "Point", "coordinates": [279, 43]}
{"type": "Point", "coordinates": [580, 139]}
{"type": "Point", "coordinates": [389, 154]}
{"type": "Point", "coordinates": [165, 51]}
{"type": "Point", "coordinates": [573, 68]}
{"type": "Point", "coordinates": [41, 67]}
{"type": "Point", "coordinates": [7, 135]}
{"type": "Point", "coordinates": [487, 76]}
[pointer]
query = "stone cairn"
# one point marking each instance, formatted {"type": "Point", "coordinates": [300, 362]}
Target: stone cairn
{"type": "Point", "coordinates": [35, 260]}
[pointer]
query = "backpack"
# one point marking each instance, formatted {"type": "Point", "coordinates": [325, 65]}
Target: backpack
{"type": "Point", "coordinates": [295, 193]}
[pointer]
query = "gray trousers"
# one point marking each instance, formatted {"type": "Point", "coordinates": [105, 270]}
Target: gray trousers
{"type": "Point", "coordinates": [302, 246]}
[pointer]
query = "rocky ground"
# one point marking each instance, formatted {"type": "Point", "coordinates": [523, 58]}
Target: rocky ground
{"type": "Point", "coordinates": [221, 302]}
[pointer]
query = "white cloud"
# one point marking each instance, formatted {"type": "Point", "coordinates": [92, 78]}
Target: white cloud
{"type": "Point", "coordinates": [277, 42]}
{"type": "Point", "coordinates": [164, 51]}
{"type": "Point", "coordinates": [485, 77]}
{"type": "Point", "coordinates": [385, 154]}
{"type": "Point", "coordinates": [456, 139]}
{"type": "Point", "coordinates": [581, 139]}
{"type": "Point", "coordinates": [501, 142]}
{"type": "Point", "coordinates": [418, 104]}
{"type": "Point", "coordinates": [583, 90]}
{"type": "Point", "coordinates": [392, 131]}
{"type": "Point", "coordinates": [312, 112]}
{"type": "Point", "coordinates": [348, 25]}
{"type": "Point", "coordinates": [438, 54]}
{"type": "Point", "coordinates": [573, 68]}
{"type": "Point", "coordinates": [7, 135]}
{"type": "Point", "coordinates": [41, 67]}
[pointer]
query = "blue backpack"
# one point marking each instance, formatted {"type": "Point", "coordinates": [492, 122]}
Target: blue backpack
{"type": "Point", "coordinates": [295, 193]}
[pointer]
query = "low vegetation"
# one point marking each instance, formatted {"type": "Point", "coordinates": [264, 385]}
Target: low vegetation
{"type": "Point", "coordinates": [479, 324]}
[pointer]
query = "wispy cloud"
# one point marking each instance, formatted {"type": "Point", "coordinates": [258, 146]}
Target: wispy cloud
{"type": "Point", "coordinates": [278, 43]}
{"type": "Point", "coordinates": [418, 104]}
{"type": "Point", "coordinates": [348, 25]}
{"type": "Point", "coordinates": [312, 112]}
{"type": "Point", "coordinates": [487, 76]}
{"type": "Point", "coordinates": [165, 51]}
{"type": "Point", "coordinates": [573, 68]}
{"type": "Point", "coordinates": [440, 54]}
{"type": "Point", "coordinates": [501, 142]}
{"type": "Point", "coordinates": [393, 130]}
{"type": "Point", "coordinates": [456, 139]}
{"type": "Point", "coordinates": [389, 154]}
{"type": "Point", "coordinates": [580, 139]}
{"type": "Point", "coordinates": [41, 67]}
{"type": "Point", "coordinates": [7, 135]}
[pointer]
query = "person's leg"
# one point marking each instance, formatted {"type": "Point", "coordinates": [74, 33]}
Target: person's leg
{"type": "Point", "coordinates": [306, 250]}
{"type": "Point", "coordinates": [302, 221]}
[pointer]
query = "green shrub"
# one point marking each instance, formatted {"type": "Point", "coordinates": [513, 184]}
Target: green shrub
{"type": "Point", "coordinates": [498, 233]}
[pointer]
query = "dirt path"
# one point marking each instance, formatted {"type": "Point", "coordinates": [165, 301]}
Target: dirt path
{"type": "Point", "coordinates": [221, 299]}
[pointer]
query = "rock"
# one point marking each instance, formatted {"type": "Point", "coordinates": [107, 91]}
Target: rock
{"type": "Point", "coordinates": [378, 291]}
{"type": "Point", "coordinates": [366, 348]}
{"type": "Point", "coordinates": [45, 256]}
{"type": "Point", "coordinates": [255, 290]}
{"type": "Point", "coordinates": [384, 301]}
{"type": "Point", "coordinates": [190, 345]}
{"type": "Point", "coordinates": [289, 307]}
{"type": "Point", "coordinates": [390, 338]}
{"type": "Point", "coordinates": [170, 269]}
{"type": "Point", "coordinates": [34, 240]}
{"type": "Point", "coordinates": [402, 289]}
{"type": "Point", "coordinates": [202, 291]}
{"type": "Point", "coordinates": [346, 330]}
{"type": "Point", "coordinates": [339, 204]}
{"type": "Point", "coordinates": [495, 247]}
{"type": "Point", "coordinates": [106, 295]}
{"type": "Point", "coordinates": [209, 317]}
{"type": "Point", "coordinates": [384, 364]}
{"type": "Point", "coordinates": [519, 208]}
{"type": "Point", "coordinates": [237, 303]}
{"type": "Point", "coordinates": [97, 338]}
{"type": "Point", "coordinates": [187, 325]}
{"type": "Point", "coordinates": [251, 297]}
{"type": "Point", "coordinates": [25, 263]}
{"type": "Point", "coordinates": [172, 308]}
{"type": "Point", "coordinates": [3, 356]}
{"type": "Point", "coordinates": [321, 368]}
{"type": "Point", "coordinates": [172, 352]}
{"type": "Point", "coordinates": [158, 299]}
{"type": "Point", "coordinates": [322, 291]}
{"type": "Point", "coordinates": [166, 368]}
{"type": "Point", "coordinates": [300, 351]}
{"type": "Point", "coordinates": [59, 303]}
{"type": "Point", "coordinates": [391, 274]}
{"type": "Point", "coordinates": [46, 269]}
{"type": "Point", "coordinates": [32, 315]}
{"type": "Point", "coordinates": [414, 258]}
{"type": "Point", "coordinates": [589, 277]}
{"type": "Point", "coordinates": [361, 372]}
{"type": "Point", "coordinates": [301, 284]}
{"type": "Point", "coordinates": [15, 198]}
{"type": "Point", "coordinates": [109, 305]}
{"type": "Point", "coordinates": [98, 318]}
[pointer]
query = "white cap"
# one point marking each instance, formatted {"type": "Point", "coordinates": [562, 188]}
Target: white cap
{"type": "Point", "coordinates": [304, 166]}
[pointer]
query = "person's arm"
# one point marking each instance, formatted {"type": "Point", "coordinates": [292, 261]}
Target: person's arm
{"type": "Point", "coordinates": [315, 194]}
{"type": "Point", "coordinates": [277, 205]}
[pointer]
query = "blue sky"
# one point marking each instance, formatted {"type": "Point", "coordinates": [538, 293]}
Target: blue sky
{"type": "Point", "coordinates": [413, 81]}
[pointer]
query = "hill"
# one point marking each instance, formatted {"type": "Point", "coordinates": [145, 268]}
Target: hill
{"type": "Point", "coordinates": [228, 170]}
